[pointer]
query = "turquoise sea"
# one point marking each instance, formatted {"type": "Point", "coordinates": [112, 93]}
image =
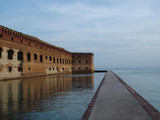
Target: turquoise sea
{"type": "Point", "coordinates": [145, 81]}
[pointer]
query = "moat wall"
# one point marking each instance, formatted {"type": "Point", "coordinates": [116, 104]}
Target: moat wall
{"type": "Point", "coordinates": [24, 56]}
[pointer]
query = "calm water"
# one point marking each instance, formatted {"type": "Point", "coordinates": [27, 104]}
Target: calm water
{"type": "Point", "coordinates": [47, 98]}
{"type": "Point", "coordinates": [145, 81]}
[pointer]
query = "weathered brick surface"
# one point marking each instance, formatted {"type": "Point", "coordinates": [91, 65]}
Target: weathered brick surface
{"type": "Point", "coordinates": [55, 60]}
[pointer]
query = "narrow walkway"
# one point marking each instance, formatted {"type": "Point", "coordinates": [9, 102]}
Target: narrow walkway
{"type": "Point", "coordinates": [115, 102]}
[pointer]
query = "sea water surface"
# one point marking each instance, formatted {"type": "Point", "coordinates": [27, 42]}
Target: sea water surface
{"type": "Point", "coordinates": [145, 81]}
{"type": "Point", "coordinates": [47, 98]}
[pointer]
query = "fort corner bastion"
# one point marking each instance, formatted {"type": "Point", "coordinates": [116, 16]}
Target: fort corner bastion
{"type": "Point", "coordinates": [22, 56]}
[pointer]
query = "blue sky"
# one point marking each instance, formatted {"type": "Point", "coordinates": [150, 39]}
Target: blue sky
{"type": "Point", "coordinates": [121, 33]}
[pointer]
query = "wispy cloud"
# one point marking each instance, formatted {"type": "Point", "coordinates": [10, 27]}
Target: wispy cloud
{"type": "Point", "coordinates": [116, 31]}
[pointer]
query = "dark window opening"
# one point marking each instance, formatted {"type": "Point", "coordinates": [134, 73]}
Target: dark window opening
{"type": "Point", "coordinates": [86, 61]}
{"type": "Point", "coordinates": [20, 55]}
{"type": "Point", "coordinates": [28, 56]}
{"type": "Point", "coordinates": [86, 68]}
{"type": "Point", "coordinates": [57, 60]}
{"type": "Point", "coordinates": [0, 35]}
{"type": "Point", "coordinates": [20, 69]}
{"type": "Point", "coordinates": [29, 68]}
{"type": "Point", "coordinates": [1, 52]}
{"type": "Point", "coordinates": [79, 68]}
{"type": "Point", "coordinates": [57, 68]}
{"type": "Point", "coordinates": [41, 58]}
{"type": "Point", "coordinates": [53, 68]}
{"type": "Point", "coordinates": [21, 41]}
{"type": "Point", "coordinates": [12, 38]}
{"type": "Point", "coordinates": [50, 58]}
{"type": "Point", "coordinates": [35, 56]}
{"type": "Point", "coordinates": [79, 61]}
{"type": "Point", "coordinates": [54, 60]}
{"type": "Point", "coordinates": [63, 61]}
{"type": "Point", "coordinates": [9, 69]}
{"type": "Point", "coordinates": [46, 57]}
{"type": "Point", "coordinates": [60, 60]}
{"type": "Point", "coordinates": [63, 69]}
{"type": "Point", "coordinates": [72, 61]}
{"type": "Point", "coordinates": [73, 68]}
{"type": "Point", "coordinates": [10, 54]}
{"type": "Point", "coordinates": [49, 68]}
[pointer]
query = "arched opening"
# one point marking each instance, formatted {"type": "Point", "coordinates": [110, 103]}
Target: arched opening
{"type": "Point", "coordinates": [60, 60]}
{"type": "Point", "coordinates": [57, 60]}
{"type": "Point", "coordinates": [50, 58]}
{"type": "Point", "coordinates": [86, 68]}
{"type": "Point", "coordinates": [54, 60]}
{"type": "Point", "coordinates": [28, 56]}
{"type": "Point", "coordinates": [10, 54]}
{"type": "Point", "coordinates": [20, 55]}
{"type": "Point", "coordinates": [9, 69]}
{"type": "Point", "coordinates": [35, 56]}
{"type": "Point", "coordinates": [1, 52]}
{"type": "Point", "coordinates": [41, 58]}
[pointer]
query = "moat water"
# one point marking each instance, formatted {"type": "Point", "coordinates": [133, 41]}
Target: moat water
{"type": "Point", "coordinates": [48, 98]}
{"type": "Point", "coordinates": [145, 81]}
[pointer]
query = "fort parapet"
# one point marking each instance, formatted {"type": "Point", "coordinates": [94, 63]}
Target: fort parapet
{"type": "Point", "coordinates": [22, 55]}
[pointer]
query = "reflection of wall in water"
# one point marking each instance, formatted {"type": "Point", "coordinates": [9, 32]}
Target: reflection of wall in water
{"type": "Point", "coordinates": [27, 94]}
{"type": "Point", "coordinates": [19, 95]}
{"type": "Point", "coordinates": [9, 95]}
{"type": "Point", "coordinates": [43, 87]}
{"type": "Point", "coordinates": [83, 82]}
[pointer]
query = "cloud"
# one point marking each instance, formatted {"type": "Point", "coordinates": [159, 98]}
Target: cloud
{"type": "Point", "coordinates": [113, 30]}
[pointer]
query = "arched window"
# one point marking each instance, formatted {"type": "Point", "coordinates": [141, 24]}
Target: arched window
{"type": "Point", "coordinates": [57, 60]}
{"type": "Point", "coordinates": [50, 58]}
{"type": "Point", "coordinates": [79, 68]}
{"type": "Point", "coordinates": [28, 56]}
{"type": "Point", "coordinates": [60, 60]}
{"type": "Point", "coordinates": [10, 54]}
{"type": "Point", "coordinates": [54, 60]}
{"type": "Point", "coordinates": [2, 30]}
{"type": "Point", "coordinates": [35, 56]}
{"type": "Point", "coordinates": [1, 52]}
{"type": "Point", "coordinates": [86, 68]}
{"type": "Point", "coordinates": [20, 55]}
{"type": "Point", "coordinates": [41, 58]}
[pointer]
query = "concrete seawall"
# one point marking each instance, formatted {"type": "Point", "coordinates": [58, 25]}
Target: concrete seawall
{"type": "Point", "coordinates": [115, 100]}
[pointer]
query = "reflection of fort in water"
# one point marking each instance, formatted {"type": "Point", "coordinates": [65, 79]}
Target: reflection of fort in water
{"type": "Point", "coordinates": [21, 95]}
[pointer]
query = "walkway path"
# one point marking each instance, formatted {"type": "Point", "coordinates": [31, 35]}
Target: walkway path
{"type": "Point", "coordinates": [115, 102]}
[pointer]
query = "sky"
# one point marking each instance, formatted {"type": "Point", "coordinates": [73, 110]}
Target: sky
{"type": "Point", "coordinates": [120, 33]}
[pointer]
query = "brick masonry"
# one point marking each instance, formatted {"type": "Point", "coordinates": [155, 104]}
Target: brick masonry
{"type": "Point", "coordinates": [22, 55]}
